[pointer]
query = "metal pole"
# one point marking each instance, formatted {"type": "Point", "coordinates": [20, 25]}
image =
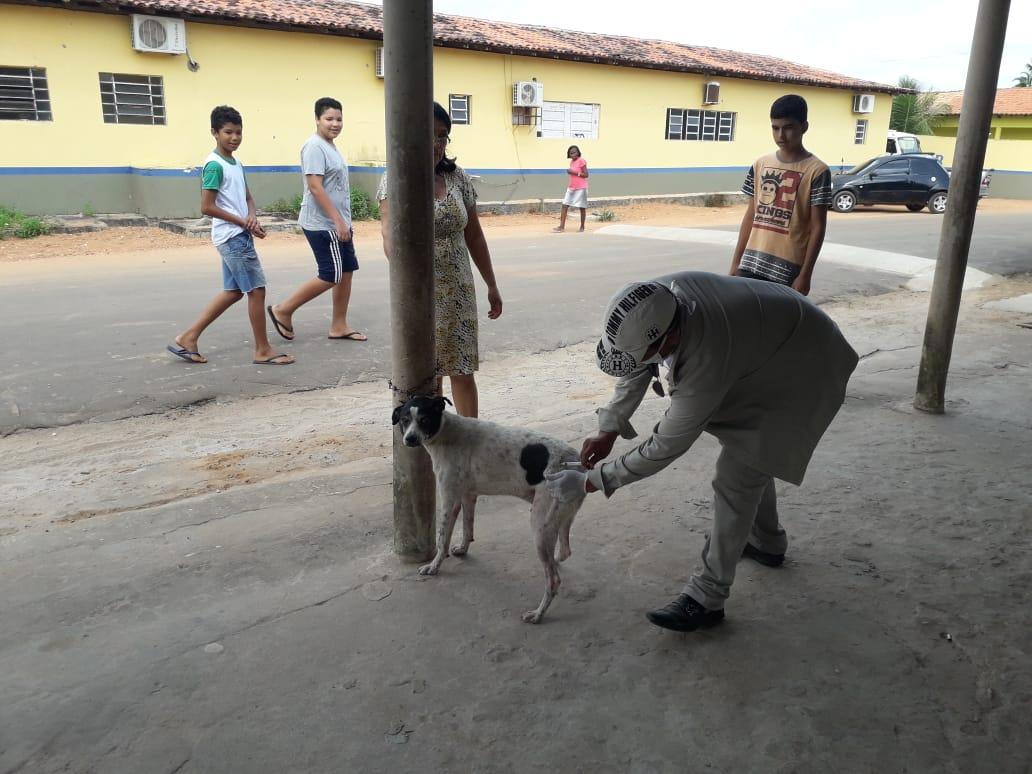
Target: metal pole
{"type": "Point", "coordinates": [408, 76]}
{"type": "Point", "coordinates": [958, 222]}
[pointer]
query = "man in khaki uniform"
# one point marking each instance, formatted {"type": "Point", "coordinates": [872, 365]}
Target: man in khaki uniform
{"type": "Point", "coordinates": [754, 364]}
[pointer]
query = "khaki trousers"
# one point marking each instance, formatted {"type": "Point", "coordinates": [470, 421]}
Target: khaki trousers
{"type": "Point", "coordinates": [745, 509]}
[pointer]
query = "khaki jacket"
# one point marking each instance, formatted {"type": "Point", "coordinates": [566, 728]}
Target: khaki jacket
{"type": "Point", "coordinates": [759, 366]}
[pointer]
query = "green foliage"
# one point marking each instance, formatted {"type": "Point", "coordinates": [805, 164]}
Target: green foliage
{"type": "Point", "coordinates": [21, 225]}
{"type": "Point", "coordinates": [8, 217]}
{"type": "Point", "coordinates": [290, 207]}
{"type": "Point", "coordinates": [1024, 79]}
{"type": "Point", "coordinates": [32, 227]}
{"type": "Point", "coordinates": [917, 111]}
{"type": "Point", "coordinates": [88, 211]}
{"type": "Point", "coordinates": [362, 206]}
{"type": "Point", "coordinates": [606, 215]}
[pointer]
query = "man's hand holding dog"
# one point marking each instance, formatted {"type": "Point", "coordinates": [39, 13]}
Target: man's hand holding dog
{"type": "Point", "coordinates": [597, 448]}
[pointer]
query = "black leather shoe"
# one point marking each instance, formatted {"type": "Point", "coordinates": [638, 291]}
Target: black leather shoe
{"type": "Point", "coordinates": [684, 614]}
{"type": "Point", "coordinates": [771, 560]}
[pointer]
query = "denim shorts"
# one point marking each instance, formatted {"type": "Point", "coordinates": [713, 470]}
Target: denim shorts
{"type": "Point", "coordinates": [333, 258]}
{"type": "Point", "coordinates": [241, 269]}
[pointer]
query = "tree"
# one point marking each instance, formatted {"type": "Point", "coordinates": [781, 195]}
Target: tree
{"type": "Point", "coordinates": [1024, 79]}
{"type": "Point", "coordinates": [916, 110]}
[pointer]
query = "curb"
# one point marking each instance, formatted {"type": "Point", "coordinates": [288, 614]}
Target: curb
{"type": "Point", "coordinates": [711, 199]}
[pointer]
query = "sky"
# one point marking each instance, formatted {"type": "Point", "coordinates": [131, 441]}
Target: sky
{"type": "Point", "coordinates": [874, 40]}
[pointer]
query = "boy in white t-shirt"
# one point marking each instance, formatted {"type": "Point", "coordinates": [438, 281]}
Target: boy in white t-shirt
{"type": "Point", "coordinates": [226, 199]}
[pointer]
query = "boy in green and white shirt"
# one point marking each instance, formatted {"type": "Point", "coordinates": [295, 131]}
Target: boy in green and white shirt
{"type": "Point", "coordinates": [226, 199]}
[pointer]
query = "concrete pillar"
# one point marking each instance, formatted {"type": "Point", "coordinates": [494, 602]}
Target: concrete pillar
{"type": "Point", "coordinates": [955, 238]}
{"type": "Point", "coordinates": [408, 76]}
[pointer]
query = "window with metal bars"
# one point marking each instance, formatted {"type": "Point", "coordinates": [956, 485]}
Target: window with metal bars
{"type": "Point", "coordinates": [132, 99]}
{"type": "Point", "coordinates": [459, 108]}
{"type": "Point", "coordinates": [24, 94]}
{"type": "Point", "coordinates": [707, 125]}
{"type": "Point", "coordinates": [860, 135]}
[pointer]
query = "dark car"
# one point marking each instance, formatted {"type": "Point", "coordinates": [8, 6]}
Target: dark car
{"type": "Point", "coordinates": [913, 180]}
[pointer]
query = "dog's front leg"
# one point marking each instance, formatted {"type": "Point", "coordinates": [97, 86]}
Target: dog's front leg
{"type": "Point", "coordinates": [445, 525]}
{"type": "Point", "coordinates": [469, 506]}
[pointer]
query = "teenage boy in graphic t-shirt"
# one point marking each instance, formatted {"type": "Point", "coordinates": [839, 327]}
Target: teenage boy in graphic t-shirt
{"type": "Point", "coordinates": [783, 228]}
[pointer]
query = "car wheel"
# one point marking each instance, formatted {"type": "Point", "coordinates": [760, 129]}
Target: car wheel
{"type": "Point", "coordinates": [937, 203]}
{"type": "Point", "coordinates": [844, 201]}
{"type": "Point", "coordinates": [915, 207]}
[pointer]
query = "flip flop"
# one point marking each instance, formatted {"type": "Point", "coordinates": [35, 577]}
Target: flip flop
{"type": "Point", "coordinates": [187, 355]}
{"type": "Point", "coordinates": [281, 329]}
{"type": "Point", "coordinates": [275, 360]}
{"type": "Point", "coordinates": [353, 336]}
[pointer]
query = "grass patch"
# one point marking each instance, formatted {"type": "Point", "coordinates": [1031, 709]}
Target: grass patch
{"type": "Point", "coordinates": [18, 224]}
{"type": "Point", "coordinates": [362, 206]}
{"type": "Point", "coordinates": [606, 215]}
{"type": "Point", "coordinates": [290, 207]}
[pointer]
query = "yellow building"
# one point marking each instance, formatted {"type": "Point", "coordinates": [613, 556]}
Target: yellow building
{"type": "Point", "coordinates": [105, 104]}
{"type": "Point", "coordinates": [1012, 114]}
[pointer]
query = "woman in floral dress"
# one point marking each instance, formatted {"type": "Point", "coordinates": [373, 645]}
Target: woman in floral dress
{"type": "Point", "coordinates": [457, 237]}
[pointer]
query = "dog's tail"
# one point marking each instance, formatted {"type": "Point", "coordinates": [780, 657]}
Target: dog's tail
{"type": "Point", "coordinates": [534, 460]}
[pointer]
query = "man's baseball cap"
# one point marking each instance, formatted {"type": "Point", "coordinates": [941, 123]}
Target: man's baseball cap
{"type": "Point", "coordinates": [637, 316]}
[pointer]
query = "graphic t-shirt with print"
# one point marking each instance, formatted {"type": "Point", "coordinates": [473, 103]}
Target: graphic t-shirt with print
{"type": "Point", "coordinates": [784, 197]}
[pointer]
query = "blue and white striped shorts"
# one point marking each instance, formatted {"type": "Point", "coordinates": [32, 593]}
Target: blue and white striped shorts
{"type": "Point", "coordinates": [332, 256]}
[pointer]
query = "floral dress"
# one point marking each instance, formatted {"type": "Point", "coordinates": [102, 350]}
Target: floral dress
{"type": "Point", "coordinates": [455, 301]}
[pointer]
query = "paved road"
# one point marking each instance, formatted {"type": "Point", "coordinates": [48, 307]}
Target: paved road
{"type": "Point", "coordinates": [1001, 244]}
{"type": "Point", "coordinates": [84, 339]}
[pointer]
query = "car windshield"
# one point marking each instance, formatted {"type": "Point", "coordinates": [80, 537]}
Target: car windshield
{"type": "Point", "coordinates": [908, 144]}
{"type": "Point", "coordinates": [861, 167]}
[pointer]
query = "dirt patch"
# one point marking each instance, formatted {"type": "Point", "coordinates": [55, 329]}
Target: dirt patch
{"type": "Point", "coordinates": [131, 240]}
{"type": "Point", "coordinates": [107, 242]}
{"type": "Point", "coordinates": [125, 240]}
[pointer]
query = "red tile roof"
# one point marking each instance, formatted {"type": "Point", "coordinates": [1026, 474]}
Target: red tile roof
{"type": "Point", "coordinates": [366, 21]}
{"type": "Point", "coordinates": [1009, 102]}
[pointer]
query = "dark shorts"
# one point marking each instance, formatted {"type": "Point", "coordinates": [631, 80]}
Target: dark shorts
{"type": "Point", "coordinates": [333, 257]}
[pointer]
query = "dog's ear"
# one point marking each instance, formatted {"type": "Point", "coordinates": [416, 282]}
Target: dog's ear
{"type": "Point", "coordinates": [439, 402]}
{"type": "Point", "coordinates": [396, 415]}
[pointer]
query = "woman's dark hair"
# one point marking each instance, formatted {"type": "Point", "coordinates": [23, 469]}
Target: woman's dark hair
{"type": "Point", "coordinates": [326, 103]}
{"type": "Point", "coordinates": [223, 115]}
{"type": "Point", "coordinates": [440, 114]}
{"type": "Point", "coordinates": [790, 106]}
{"type": "Point", "coordinates": [571, 149]}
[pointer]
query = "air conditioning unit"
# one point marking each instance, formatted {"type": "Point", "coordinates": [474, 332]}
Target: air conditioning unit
{"type": "Point", "coordinates": [379, 62]}
{"type": "Point", "coordinates": [863, 103]}
{"type": "Point", "coordinates": [158, 35]}
{"type": "Point", "coordinates": [528, 94]}
{"type": "Point", "coordinates": [711, 93]}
